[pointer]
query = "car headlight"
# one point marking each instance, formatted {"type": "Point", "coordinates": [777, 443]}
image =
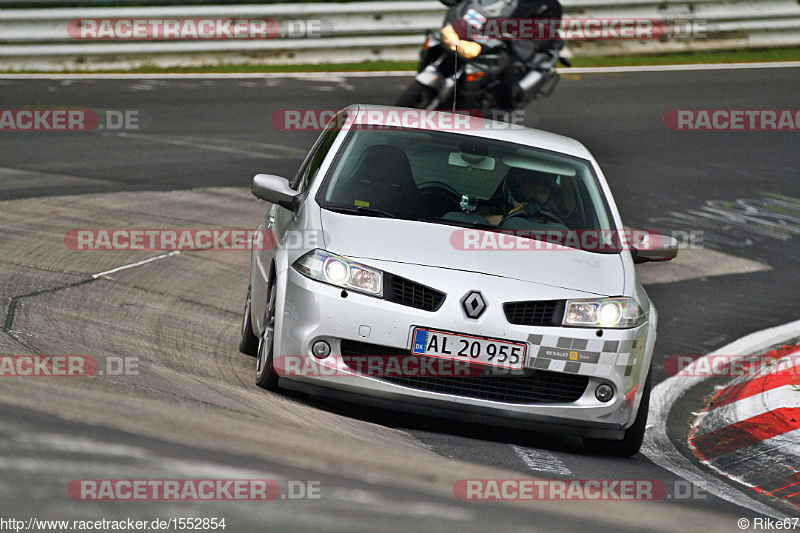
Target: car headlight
{"type": "Point", "coordinates": [336, 270]}
{"type": "Point", "coordinates": [604, 313]}
{"type": "Point", "coordinates": [466, 49]}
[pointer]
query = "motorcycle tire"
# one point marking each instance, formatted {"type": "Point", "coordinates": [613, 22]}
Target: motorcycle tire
{"type": "Point", "coordinates": [416, 96]}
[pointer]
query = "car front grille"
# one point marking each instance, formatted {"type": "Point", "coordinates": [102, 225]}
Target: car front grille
{"type": "Point", "coordinates": [413, 294]}
{"type": "Point", "coordinates": [536, 386]}
{"type": "Point", "coordinates": [535, 313]}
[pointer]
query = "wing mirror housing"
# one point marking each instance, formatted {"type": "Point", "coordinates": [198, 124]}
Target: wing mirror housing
{"type": "Point", "coordinates": [276, 190]}
{"type": "Point", "coordinates": [655, 248]}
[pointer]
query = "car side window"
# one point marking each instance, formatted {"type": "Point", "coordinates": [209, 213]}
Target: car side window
{"type": "Point", "coordinates": [305, 177]}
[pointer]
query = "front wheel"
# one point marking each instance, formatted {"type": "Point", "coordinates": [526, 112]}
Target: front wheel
{"type": "Point", "coordinates": [417, 96]}
{"type": "Point", "coordinates": [266, 378]}
{"type": "Point", "coordinates": [634, 435]}
{"type": "Point", "coordinates": [249, 342]}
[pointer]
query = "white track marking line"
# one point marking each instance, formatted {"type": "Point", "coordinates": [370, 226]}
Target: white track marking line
{"type": "Point", "coordinates": [200, 469]}
{"type": "Point", "coordinates": [378, 74]}
{"type": "Point", "coordinates": [659, 449]}
{"type": "Point", "coordinates": [693, 264]}
{"type": "Point", "coordinates": [690, 67]}
{"type": "Point", "coordinates": [88, 466]}
{"type": "Point", "coordinates": [138, 263]}
{"type": "Point", "coordinates": [66, 443]}
{"type": "Point", "coordinates": [541, 460]}
{"type": "Point", "coordinates": [310, 76]}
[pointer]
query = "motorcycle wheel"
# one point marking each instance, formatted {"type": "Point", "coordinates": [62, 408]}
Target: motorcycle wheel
{"type": "Point", "coordinates": [417, 96]}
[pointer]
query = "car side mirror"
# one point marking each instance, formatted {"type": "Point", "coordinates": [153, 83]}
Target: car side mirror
{"type": "Point", "coordinates": [654, 247]}
{"type": "Point", "coordinates": [276, 190]}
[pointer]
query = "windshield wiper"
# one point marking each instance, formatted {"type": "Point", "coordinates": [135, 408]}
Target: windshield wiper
{"type": "Point", "coordinates": [360, 210]}
{"type": "Point", "coordinates": [461, 224]}
{"type": "Point", "coordinates": [527, 234]}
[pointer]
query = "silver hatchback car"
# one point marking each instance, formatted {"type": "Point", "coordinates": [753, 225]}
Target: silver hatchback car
{"type": "Point", "coordinates": [452, 266]}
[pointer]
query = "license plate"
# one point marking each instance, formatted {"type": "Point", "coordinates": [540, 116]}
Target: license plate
{"type": "Point", "coordinates": [468, 348]}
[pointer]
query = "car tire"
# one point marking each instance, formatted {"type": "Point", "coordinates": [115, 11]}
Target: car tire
{"type": "Point", "coordinates": [417, 96]}
{"type": "Point", "coordinates": [248, 344]}
{"type": "Point", "coordinates": [634, 435]}
{"type": "Point", "coordinates": [266, 378]}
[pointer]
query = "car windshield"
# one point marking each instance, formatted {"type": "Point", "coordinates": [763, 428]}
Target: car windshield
{"type": "Point", "coordinates": [453, 179]}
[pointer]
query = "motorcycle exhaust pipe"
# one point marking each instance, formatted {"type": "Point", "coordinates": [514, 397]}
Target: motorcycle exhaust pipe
{"type": "Point", "coordinates": [537, 83]}
{"type": "Point", "coordinates": [532, 83]}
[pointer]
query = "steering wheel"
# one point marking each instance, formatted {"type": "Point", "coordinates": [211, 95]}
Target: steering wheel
{"type": "Point", "coordinates": [444, 191]}
{"type": "Point", "coordinates": [441, 185]}
{"type": "Point", "coordinates": [545, 213]}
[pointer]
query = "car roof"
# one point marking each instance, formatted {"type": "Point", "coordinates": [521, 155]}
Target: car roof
{"type": "Point", "coordinates": [473, 126]}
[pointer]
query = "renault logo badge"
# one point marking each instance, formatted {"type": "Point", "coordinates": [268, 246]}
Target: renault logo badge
{"type": "Point", "coordinates": [474, 305]}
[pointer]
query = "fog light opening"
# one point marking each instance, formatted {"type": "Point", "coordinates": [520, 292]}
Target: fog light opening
{"type": "Point", "coordinates": [604, 392]}
{"type": "Point", "coordinates": [321, 349]}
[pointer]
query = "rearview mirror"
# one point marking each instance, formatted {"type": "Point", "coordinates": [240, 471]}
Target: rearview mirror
{"type": "Point", "coordinates": [656, 248]}
{"type": "Point", "coordinates": [274, 189]}
{"type": "Point", "coordinates": [481, 162]}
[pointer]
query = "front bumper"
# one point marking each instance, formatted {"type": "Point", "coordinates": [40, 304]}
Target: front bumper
{"type": "Point", "coordinates": [313, 311]}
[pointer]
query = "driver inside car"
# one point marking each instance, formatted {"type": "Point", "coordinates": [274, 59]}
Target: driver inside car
{"type": "Point", "coordinates": [524, 193]}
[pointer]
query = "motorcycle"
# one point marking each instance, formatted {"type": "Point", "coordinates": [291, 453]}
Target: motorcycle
{"type": "Point", "coordinates": [457, 71]}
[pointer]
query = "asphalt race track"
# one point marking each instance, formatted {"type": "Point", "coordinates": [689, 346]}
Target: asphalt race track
{"type": "Point", "coordinates": [191, 408]}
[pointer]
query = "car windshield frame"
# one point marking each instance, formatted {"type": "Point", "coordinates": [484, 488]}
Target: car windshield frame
{"type": "Point", "coordinates": [601, 202]}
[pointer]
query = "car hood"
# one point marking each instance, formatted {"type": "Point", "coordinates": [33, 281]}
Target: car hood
{"type": "Point", "coordinates": [431, 245]}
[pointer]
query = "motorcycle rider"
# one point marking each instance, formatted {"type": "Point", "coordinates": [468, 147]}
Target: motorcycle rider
{"type": "Point", "coordinates": [523, 49]}
{"type": "Point", "coordinates": [522, 56]}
